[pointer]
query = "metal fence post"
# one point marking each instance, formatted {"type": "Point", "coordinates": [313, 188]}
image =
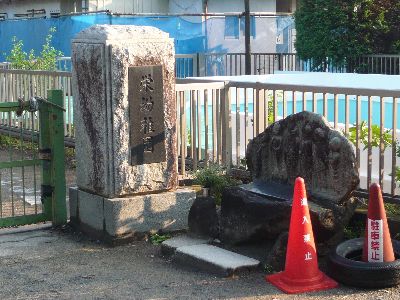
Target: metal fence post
{"type": "Point", "coordinates": [45, 156]}
{"type": "Point", "coordinates": [226, 127]}
{"type": "Point", "coordinates": [58, 157]}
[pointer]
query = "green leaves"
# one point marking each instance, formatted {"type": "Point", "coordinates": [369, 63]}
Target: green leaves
{"type": "Point", "coordinates": [215, 178]}
{"type": "Point", "coordinates": [375, 136]}
{"type": "Point", "coordinates": [375, 140]}
{"type": "Point", "coordinates": [157, 239]}
{"type": "Point", "coordinates": [336, 31]}
{"type": "Point", "coordinates": [47, 60]}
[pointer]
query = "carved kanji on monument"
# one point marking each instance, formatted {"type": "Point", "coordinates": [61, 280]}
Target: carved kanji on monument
{"type": "Point", "coordinates": [146, 115]}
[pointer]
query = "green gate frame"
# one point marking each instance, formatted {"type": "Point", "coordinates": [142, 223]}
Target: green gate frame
{"type": "Point", "coordinates": [51, 159]}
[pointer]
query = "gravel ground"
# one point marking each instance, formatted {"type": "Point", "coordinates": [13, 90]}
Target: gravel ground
{"type": "Point", "coordinates": [41, 263]}
{"type": "Point", "coordinates": [60, 264]}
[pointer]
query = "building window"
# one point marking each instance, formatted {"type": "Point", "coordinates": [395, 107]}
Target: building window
{"type": "Point", "coordinates": [252, 26]}
{"type": "Point", "coordinates": [85, 5]}
{"type": "Point", "coordinates": [284, 6]}
{"type": "Point", "coordinates": [235, 27]}
{"type": "Point", "coordinates": [231, 27]}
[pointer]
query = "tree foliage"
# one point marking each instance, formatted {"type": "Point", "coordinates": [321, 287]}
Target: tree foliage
{"type": "Point", "coordinates": [46, 60]}
{"type": "Point", "coordinates": [335, 31]}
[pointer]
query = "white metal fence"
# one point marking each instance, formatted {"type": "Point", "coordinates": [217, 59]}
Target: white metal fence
{"type": "Point", "coordinates": [24, 84]}
{"type": "Point", "coordinates": [217, 119]}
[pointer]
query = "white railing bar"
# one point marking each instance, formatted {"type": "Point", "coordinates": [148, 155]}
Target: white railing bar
{"type": "Point", "coordinates": [317, 89]}
{"type": "Point", "coordinates": [198, 86]}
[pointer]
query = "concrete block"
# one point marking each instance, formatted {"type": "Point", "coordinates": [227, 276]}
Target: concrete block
{"type": "Point", "coordinates": [214, 260]}
{"type": "Point", "coordinates": [169, 246]}
{"type": "Point", "coordinates": [166, 211]}
{"type": "Point", "coordinates": [91, 211]}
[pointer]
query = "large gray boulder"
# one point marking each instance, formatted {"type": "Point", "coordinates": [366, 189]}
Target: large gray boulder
{"type": "Point", "coordinates": [303, 144]}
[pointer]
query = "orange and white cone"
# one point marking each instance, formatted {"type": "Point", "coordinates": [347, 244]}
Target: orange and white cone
{"type": "Point", "coordinates": [377, 242]}
{"type": "Point", "coordinates": [301, 272]}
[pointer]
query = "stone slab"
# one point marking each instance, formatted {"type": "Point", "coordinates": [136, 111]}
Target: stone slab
{"type": "Point", "coordinates": [169, 246]}
{"type": "Point", "coordinates": [132, 217]}
{"type": "Point", "coordinates": [215, 260]}
{"type": "Point", "coordinates": [101, 57]}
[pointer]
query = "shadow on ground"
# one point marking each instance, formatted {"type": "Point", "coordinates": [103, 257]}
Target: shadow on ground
{"type": "Point", "coordinates": [61, 264]}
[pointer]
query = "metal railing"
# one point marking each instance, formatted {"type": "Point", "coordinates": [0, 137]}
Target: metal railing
{"type": "Point", "coordinates": [217, 119]}
{"type": "Point", "coordinates": [5, 65]}
{"type": "Point", "coordinates": [376, 64]}
{"type": "Point", "coordinates": [232, 64]}
{"type": "Point", "coordinates": [23, 84]}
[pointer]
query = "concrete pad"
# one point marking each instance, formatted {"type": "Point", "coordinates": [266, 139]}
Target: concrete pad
{"type": "Point", "coordinates": [215, 260]}
{"type": "Point", "coordinates": [131, 217]}
{"type": "Point", "coordinates": [166, 211]}
{"type": "Point", "coordinates": [169, 246]}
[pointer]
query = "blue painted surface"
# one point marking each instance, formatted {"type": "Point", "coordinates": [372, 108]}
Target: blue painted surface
{"type": "Point", "coordinates": [388, 111]}
{"type": "Point", "coordinates": [188, 36]}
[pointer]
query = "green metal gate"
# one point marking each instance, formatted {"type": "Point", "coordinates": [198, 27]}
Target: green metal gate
{"type": "Point", "coordinates": [32, 164]}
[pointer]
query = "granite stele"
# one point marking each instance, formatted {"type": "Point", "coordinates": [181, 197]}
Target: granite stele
{"type": "Point", "coordinates": [125, 116]}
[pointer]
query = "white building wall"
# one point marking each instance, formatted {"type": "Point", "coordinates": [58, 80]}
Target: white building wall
{"type": "Point", "coordinates": [221, 6]}
{"type": "Point", "coordinates": [265, 37]}
{"type": "Point", "coordinates": [265, 27]}
{"type": "Point", "coordinates": [130, 6]}
{"type": "Point", "coordinates": [21, 6]}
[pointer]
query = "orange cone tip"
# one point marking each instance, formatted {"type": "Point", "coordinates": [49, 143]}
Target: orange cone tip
{"type": "Point", "coordinates": [301, 272]}
{"type": "Point", "coordinates": [377, 242]}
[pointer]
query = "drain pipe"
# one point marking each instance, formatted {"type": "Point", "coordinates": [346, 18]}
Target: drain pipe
{"type": "Point", "coordinates": [247, 37]}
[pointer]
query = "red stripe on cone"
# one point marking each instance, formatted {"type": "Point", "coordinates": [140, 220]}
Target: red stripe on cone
{"type": "Point", "coordinates": [377, 242]}
{"type": "Point", "coordinates": [301, 272]}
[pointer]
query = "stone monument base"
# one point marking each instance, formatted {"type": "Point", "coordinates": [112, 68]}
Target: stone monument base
{"type": "Point", "coordinates": [119, 220]}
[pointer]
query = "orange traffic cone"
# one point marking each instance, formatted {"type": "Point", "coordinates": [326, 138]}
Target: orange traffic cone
{"type": "Point", "coordinates": [377, 243]}
{"type": "Point", "coordinates": [301, 272]}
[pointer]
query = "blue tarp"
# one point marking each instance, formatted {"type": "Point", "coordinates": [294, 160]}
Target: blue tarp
{"type": "Point", "coordinates": [224, 35]}
{"type": "Point", "coordinates": [189, 37]}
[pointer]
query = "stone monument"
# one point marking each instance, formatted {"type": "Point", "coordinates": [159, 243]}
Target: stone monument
{"type": "Point", "coordinates": [125, 116]}
{"type": "Point", "coordinates": [303, 144]}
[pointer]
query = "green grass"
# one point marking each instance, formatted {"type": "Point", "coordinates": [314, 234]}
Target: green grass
{"type": "Point", "coordinates": [215, 178]}
{"type": "Point", "coordinates": [157, 239]}
{"type": "Point", "coordinates": [9, 142]}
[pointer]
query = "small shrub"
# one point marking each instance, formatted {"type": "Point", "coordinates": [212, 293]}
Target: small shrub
{"type": "Point", "coordinates": [354, 230]}
{"type": "Point", "coordinates": [214, 178]}
{"type": "Point", "coordinates": [46, 60]}
{"type": "Point", "coordinates": [375, 137]}
{"type": "Point", "coordinates": [392, 209]}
